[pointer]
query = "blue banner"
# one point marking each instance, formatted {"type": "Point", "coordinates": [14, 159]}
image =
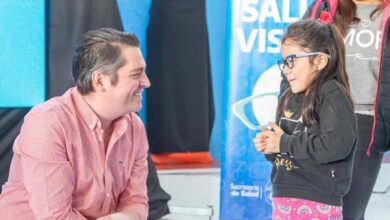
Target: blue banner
{"type": "Point", "coordinates": [255, 32]}
{"type": "Point", "coordinates": [22, 53]}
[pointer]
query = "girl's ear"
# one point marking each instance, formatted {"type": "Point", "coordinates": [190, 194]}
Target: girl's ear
{"type": "Point", "coordinates": [320, 61]}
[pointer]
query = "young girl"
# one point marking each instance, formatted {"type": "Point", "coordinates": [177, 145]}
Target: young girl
{"type": "Point", "coordinates": [365, 25]}
{"type": "Point", "coordinates": [312, 146]}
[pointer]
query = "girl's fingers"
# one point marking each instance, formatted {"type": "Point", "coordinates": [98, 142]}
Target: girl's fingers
{"type": "Point", "coordinates": [260, 149]}
{"type": "Point", "coordinates": [260, 135]}
{"type": "Point", "coordinates": [260, 146]}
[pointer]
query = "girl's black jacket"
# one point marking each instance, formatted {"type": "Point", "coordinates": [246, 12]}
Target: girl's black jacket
{"type": "Point", "coordinates": [315, 162]}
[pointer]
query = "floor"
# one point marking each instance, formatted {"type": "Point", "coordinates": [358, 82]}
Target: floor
{"type": "Point", "coordinates": [197, 203]}
{"type": "Point", "coordinates": [379, 205]}
{"type": "Point", "coordinates": [202, 198]}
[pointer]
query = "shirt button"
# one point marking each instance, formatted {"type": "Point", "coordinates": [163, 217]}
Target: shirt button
{"type": "Point", "coordinates": [108, 194]}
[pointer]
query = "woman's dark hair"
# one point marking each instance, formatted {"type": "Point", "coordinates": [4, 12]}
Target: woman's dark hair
{"type": "Point", "coordinates": [314, 36]}
{"type": "Point", "coordinates": [346, 14]}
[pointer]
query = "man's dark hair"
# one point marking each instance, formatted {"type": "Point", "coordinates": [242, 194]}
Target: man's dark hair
{"type": "Point", "coordinates": [100, 50]}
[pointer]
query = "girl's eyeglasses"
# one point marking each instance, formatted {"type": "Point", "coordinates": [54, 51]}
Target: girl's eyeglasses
{"type": "Point", "coordinates": [289, 60]}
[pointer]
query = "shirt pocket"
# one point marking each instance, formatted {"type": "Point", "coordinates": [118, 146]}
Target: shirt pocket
{"type": "Point", "coordinates": [120, 176]}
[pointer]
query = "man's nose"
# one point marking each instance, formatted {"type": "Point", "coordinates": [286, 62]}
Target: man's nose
{"type": "Point", "coordinates": [145, 82]}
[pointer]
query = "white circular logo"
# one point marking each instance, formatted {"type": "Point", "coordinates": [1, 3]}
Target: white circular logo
{"type": "Point", "coordinates": [264, 107]}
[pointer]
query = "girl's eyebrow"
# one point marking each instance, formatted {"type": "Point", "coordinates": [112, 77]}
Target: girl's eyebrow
{"type": "Point", "coordinates": [289, 55]}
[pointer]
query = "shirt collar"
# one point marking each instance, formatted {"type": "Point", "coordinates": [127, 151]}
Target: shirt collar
{"type": "Point", "coordinates": [90, 117]}
{"type": "Point", "coordinates": [87, 114]}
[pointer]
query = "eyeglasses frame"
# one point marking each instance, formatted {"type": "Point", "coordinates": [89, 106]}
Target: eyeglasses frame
{"type": "Point", "coordinates": [284, 61]}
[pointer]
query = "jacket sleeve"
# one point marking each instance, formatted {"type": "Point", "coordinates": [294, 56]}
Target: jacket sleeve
{"type": "Point", "coordinates": [270, 157]}
{"type": "Point", "coordinates": [332, 139]}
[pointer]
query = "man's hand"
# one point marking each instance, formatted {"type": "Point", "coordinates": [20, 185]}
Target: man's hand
{"type": "Point", "coordinates": [268, 141]}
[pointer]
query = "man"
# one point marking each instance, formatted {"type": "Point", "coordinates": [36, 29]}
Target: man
{"type": "Point", "coordinates": [83, 155]}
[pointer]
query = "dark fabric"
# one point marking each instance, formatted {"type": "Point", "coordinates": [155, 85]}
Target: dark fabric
{"type": "Point", "coordinates": [158, 198]}
{"type": "Point", "coordinates": [365, 173]}
{"type": "Point", "coordinates": [382, 112]}
{"type": "Point", "coordinates": [179, 102]}
{"type": "Point", "coordinates": [68, 21]}
{"type": "Point", "coordinates": [10, 122]}
{"type": "Point", "coordinates": [315, 162]}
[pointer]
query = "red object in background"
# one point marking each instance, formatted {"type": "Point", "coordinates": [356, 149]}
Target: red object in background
{"type": "Point", "coordinates": [325, 17]}
{"type": "Point", "coordinates": [182, 158]}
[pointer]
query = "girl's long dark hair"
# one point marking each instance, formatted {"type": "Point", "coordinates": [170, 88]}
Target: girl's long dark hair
{"type": "Point", "coordinates": [314, 36]}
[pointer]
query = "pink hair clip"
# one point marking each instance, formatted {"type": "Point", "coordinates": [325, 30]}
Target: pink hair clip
{"type": "Point", "coordinates": [325, 17]}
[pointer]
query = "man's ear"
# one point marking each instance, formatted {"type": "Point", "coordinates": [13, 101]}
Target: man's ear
{"type": "Point", "coordinates": [321, 61]}
{"type": "Point", "coordinates": [99, 81]}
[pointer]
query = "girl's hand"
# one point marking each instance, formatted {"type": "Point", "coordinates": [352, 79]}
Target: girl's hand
{"type": "Point", "coordinates": [260, 140]}
{"type": "Point", "coordinates": [269, 141]}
